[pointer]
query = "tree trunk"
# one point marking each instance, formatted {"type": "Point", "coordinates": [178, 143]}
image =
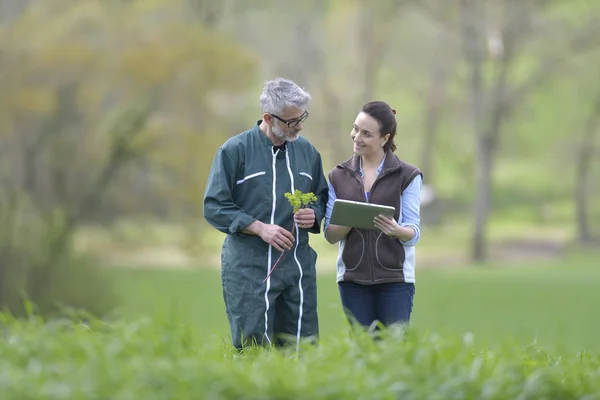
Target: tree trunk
{"type": "Point", "coordinates": [433, 108]}
{"type": "Point", "coordinates": [471, 17]}
{"type": "Point", "coordinates": [331, 125]}
{"type": "Point", "coordinates": [584, 163]}
{"type": "Point", "coordinates": [483, 179]}
{"type": "Point", "coordinates": [370, 48]}
{"type": "Point", "coordinates": [490, 108]}
{"type": "Point", "coordinates": [376, 20]}
{"type": "Point", "coordinates": [486, 152]}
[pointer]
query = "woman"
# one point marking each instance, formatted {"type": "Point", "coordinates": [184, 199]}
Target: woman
{"type": "Point", "coordinates": [376, 268]}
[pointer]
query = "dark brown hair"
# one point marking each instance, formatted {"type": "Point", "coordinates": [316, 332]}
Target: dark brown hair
{"type": "Point", "coordinates": [386, 117]}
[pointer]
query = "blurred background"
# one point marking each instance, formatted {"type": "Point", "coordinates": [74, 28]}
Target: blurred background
{"type": "Point", "coordinates": [111, 112]}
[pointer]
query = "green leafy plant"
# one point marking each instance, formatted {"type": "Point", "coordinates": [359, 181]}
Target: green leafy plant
{"type": "Point", "coordinates": [298, 201]}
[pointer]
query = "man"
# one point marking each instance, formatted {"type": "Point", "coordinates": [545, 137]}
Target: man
{"type": "Point", "coordinates": [244, 198]}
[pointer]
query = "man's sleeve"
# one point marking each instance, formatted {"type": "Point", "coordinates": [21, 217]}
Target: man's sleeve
{"type": "Point", "coordinates": [321, 190]}
{"type": "Point", "coordinates": [219, 208]}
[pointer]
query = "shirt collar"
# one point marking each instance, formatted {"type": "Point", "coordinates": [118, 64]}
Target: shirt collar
{"type": "Point", "coordinates": [264, 139]}
{"type": "Point", "coordinates": [360, 170]}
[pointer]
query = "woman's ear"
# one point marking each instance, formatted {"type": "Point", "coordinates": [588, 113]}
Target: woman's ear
{"type": "Point", "coordinates": [386, 139]}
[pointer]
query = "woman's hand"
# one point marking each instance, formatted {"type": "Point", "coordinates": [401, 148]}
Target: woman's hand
{"type": "Point", "coordinates": [390, 227]}
{"type": "Point", "coordinates": [387, 225]}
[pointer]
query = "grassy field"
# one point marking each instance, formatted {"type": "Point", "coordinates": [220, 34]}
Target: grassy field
{"type": "Point", "coordinates": [553, 304]}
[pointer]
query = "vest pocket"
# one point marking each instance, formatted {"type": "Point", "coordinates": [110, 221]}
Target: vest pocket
{"type": "Point", "coordinates": [389, 252]}
{"type": "Point", "coordinates": [354, 250]}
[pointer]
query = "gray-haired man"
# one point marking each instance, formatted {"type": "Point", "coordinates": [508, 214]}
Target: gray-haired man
{"type": "Point", "coordinates": [245, 199]}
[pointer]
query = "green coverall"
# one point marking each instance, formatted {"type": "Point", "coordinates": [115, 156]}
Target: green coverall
{"type": "Point", "coordinates": [247, 182]}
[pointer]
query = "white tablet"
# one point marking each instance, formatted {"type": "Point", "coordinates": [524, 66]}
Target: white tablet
{"type": "Point", "coordinates": [356, 214]}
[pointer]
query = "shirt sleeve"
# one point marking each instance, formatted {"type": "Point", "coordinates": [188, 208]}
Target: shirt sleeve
{"type": "Point", "coordinates": [320, 189]}
{"type": "Point", "coordinates": [411, 209]}
{"type": "Point", "coordinates": [220, 210]}
{"type": "Point", "coordinates": [329, 208]}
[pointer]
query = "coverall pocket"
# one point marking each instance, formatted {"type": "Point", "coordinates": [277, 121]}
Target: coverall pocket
{"type": "Point", "coordinates": [238, 293]}
{"type": "Point", "coordinates": [238, 284]}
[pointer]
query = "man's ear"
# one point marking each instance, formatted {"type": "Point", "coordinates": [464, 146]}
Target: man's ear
{"type": "Point", "coordinates": [268, 118]}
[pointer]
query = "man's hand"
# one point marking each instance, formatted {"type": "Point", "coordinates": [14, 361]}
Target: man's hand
{"type": "Point", "coordinates": [305, 218]}
{"type": "Point", "coordinates": [277, 237]}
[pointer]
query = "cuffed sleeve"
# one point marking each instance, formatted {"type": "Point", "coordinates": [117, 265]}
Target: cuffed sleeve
{"type": "Point", "coordinates": [411, 209]}
{"type": "Point", "coordinates": [220, 210]}
{"type": "Point", "coordinates": [320, 189]}
{"type": "Point", "coordinates": [329, 208]}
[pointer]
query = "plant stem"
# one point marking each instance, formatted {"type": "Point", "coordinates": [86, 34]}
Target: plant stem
{"type": "Point", "coordinates": [281, 255]}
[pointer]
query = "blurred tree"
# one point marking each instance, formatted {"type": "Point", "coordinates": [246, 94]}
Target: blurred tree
{"type": "Point", "coordinates": [10, 9]}
{"type": "Point", "coordinates": [376, 22]}
{"type": "Point", "coordinates": [494, 36]}
{"type": "Point", "coordinates": [583, 170]}
{"type": "Point", "coordinates": [434, 102]}
{"type": "Point", "coordinates": [108, 109]}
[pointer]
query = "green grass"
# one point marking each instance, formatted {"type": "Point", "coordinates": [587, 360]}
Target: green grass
{"type": "Point", "coordinates": [553, 304]}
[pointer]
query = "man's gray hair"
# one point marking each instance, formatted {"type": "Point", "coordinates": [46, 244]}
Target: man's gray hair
{"type": "Point", "coordinates": [280, 93]}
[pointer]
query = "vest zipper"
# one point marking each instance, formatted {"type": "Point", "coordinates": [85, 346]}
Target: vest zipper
{"type": "Point", "coordinates": [369, 232]}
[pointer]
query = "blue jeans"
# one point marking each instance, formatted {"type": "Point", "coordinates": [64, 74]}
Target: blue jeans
{"type": "Point", "coordinates": [388, 303]}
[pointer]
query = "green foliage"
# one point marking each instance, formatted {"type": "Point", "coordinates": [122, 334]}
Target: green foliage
{"type": "Point", "coordinates": [160, 359]}
{"type": "Point", "coordinates": [300, 200]}
{"type": "Point", "coordinates": [77, 284]}
{"type": "Point", "coordinates": [38, 266]}
{"type": "Point", "coordinates": [100, 115]}
{"type": "Point", "coordinates": [37, 259]}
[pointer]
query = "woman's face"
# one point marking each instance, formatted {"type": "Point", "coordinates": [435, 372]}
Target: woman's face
{"type": "Point", "coordinates": [366, 136]}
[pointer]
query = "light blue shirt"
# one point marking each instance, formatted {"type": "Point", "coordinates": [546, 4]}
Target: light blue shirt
{"type": "Point", "coordinates": [410, 200]}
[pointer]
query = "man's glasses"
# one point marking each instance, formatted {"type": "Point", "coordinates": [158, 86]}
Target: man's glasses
{"type": "Point", "coordinates": [292, 123]}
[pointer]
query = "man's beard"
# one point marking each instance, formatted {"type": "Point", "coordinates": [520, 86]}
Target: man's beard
{"type": "Point", "coordinates": [278, 132]}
